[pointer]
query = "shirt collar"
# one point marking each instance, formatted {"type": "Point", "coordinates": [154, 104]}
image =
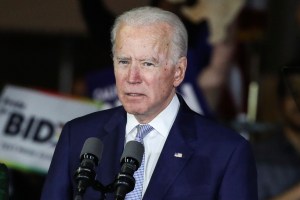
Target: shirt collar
{"type": "Point", "coordinates": [162, 123]}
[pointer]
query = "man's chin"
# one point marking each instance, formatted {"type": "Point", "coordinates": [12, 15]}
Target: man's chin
{"type": "Point", "coordinates": [133, 110]}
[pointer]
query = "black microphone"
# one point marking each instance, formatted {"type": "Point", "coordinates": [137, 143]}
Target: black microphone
{"type": "Point", "coordinates": [131, 160]}
{"type": "Point", "coordinates": [4, 182]}
{"type": "Point", "coordinates": [90, 156]}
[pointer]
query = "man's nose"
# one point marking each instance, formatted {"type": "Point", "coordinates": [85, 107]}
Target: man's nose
{"type": "Point", "coordinates": [134, 75]}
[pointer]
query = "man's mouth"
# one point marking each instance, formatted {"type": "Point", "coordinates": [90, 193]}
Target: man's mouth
{"type": "Point", "coordinates": [134, 94]}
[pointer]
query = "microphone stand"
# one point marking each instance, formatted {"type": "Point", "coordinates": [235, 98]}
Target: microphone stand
{"type": "Point", "coordinates": [99, 187]}
{"type": "Point", "coordinates": [103, 189]}
{"type": "Point", "coordinates": [123, 184]}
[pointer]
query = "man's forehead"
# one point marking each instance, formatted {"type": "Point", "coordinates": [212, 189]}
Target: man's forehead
{"type": "Point", "coordinates": [161, 28]}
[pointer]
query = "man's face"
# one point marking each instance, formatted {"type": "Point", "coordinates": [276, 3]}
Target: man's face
{"type": "Point", "coordinates": [145, 75]}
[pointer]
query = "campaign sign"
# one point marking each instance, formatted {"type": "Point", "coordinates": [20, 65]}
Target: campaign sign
{"type": "Point", "coordinates": [31, 123]}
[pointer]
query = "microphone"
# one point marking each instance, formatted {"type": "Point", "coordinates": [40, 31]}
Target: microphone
{"type": "Point", "coordinates": [131, 160]}
{"type": "Point", "coordinates": [90, 156]}
{"type": "Point", "coordinates": [4, 182]}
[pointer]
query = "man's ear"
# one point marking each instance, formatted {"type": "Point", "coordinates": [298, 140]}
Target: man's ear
{"type": "Point", "coordinates": [180, 71]}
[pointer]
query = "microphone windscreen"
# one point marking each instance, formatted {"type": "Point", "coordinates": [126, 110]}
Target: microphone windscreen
{"type": "Point", "coordinates": [133, 149]}
{"type": "Point", "coordinates": [93, 146]}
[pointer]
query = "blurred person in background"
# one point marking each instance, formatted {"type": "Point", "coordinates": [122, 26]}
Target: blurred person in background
{"type": "Point", "coordinates": [278, 156]}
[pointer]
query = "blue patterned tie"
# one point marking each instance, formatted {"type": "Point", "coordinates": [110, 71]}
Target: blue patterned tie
{"type": "Point", "coordinates": [136, 194]}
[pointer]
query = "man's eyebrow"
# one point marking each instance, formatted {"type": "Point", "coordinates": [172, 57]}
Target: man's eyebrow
{"type": "Point", "coordinates": [122, 58]}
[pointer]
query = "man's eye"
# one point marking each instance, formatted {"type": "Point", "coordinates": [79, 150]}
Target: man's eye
{"type": "Point", "coordinates": [123, 62]}
{"type": "Point", "coordinates": [148, 64]}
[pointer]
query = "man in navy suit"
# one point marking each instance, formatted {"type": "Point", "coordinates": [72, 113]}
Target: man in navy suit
{"type": "Point", "coordinates": [187, 156]}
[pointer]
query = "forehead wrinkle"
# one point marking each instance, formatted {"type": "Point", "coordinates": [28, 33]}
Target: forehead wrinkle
{"type": "Point", "coordinates": [159, 39]}
{"type": "Point", "coordinates": [163, 45]}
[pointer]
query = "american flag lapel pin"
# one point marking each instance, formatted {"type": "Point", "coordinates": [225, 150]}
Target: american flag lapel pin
{"type": "Point", "coordinates": [178, 155]}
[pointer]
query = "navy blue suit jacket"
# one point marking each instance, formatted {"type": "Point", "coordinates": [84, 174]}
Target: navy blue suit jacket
{"type": "Point", "coordinates": [217, 163]}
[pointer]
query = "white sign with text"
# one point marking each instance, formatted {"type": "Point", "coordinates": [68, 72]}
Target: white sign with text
{"type": "Point", "coordinates": [30, 125]}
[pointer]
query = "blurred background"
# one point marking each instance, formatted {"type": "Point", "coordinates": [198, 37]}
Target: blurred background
{"type": "Point", "coordinates": [237, 51]}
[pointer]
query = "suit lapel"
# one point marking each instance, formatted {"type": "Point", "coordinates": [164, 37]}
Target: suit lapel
{"type": "Point", "coordinates": [113, 147]}
{"type": "Point", "coordinates": [175, 155]}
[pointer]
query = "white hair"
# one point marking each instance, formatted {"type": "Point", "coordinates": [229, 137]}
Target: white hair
{"type": "Point", "coordinates": [147, 15]}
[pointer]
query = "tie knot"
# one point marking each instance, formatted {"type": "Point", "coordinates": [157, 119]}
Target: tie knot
{"type": "Point", "coordinates": [142, 131]}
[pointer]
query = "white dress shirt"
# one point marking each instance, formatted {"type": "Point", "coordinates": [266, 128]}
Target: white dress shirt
{"type": "Point", "coordinates": [155, 140]}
